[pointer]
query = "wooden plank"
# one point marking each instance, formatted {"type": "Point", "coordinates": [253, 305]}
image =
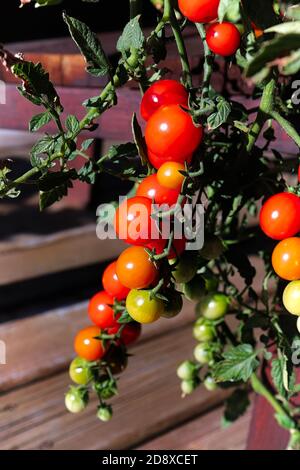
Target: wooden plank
{"type": "Point", "coordinates": [204, 433]}
{"type": "Point", "coordinates": [45, 342]}
{"type": "Point", "coordinates": [34, 417]}
{"type": "Point", "coordinates": [32, 256]}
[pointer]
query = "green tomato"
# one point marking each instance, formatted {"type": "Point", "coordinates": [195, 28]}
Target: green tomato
{"type": "Point", "coordinates": [105, 413]}
{"type": "Point", "coordinates": [195, 289]}
{"type": "Point", "coordinates": [174, 305]}
{"type": "Point", "coordinates": [80, 371]}
{"type": "Point", "coordinates": [203, 330]}
{"type": "Point", "coordinates": [203, 354]}
{"type": "Point", "coordinates": [142, 308]}
{"type": "Point", "coordinates": [209, 383]}
{"type": "Point", "coordinates": [186, 268]}
{"type": "Point", "coordinates": [213, 306]}
{"type": "Point", "coordinates": [213, 248]}
{"type": "Point", "coordinates": [187, 370]}
{"type": "Point", "coordinates": [188, 386]}
{"type": "Point", "coordinates": [76, 399]}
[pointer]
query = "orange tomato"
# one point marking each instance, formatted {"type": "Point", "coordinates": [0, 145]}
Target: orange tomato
{"type": "Point", "coordinates": [86, 346]}
{"type": "Point", "coordinates": [286, 259]}
{"type": "Point", "coordinates": [135, 269]}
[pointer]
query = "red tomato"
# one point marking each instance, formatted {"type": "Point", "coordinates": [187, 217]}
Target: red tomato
{"type": "Point", "coordinates": [157, 162]}
{"type": "Point", "coordinates": [223, 38]}
{"type": "Point", "coordinates": [178, 247]}
{"type": "Point", "coordinates": [199, 11]}
{"type": "Point", "coordinates": [135, 269]}
{"type": "Point", "coordinates": [162, 93]}
{"type": "Point", "coordinates": [286, 259]}
{"type": "Point", "coordinates": [130, 332]}
{"type": "Point", "coordinates": [86, 346]}
{"type": "Point", "coordinates": [111, 283]}
{"type": "Point", "coordinates": [171, 134]}
{"type": "Point", "coordinates": [133, 222]}
{"type": "Point", "coordinates": [100, 311]}
{"type": "Point", "coordinates": [151, 188]}
{"type": "Point", "coordinates": [280, 216]}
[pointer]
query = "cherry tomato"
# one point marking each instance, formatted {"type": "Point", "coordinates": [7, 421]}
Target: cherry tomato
{"type": "Point", "coordinates": [189, 386]}
{"type": "Point", "coordinates": [223, 38]}
{"type": "Point", "coordinates": [171, 134]}
{"type": "Point", "coordinates": [280, 216]}
{"type": "Point", "coordinates": [80, 371]}
{"type": "Point", "coordinates": [203, 353]}
{"type": "Point", "coordinates": [186, 269]}
{"type": "Point", "coordinates": [100, 311]}
{"type": "Point", "coordinates": [86, 344]}
{"type": "Point", "coordinates": [76, 400]}
{"type": "Point", "coordinates": [169, 175]}
{"type": "Point", "coordinates": [174, 304]}
{"type": "Point", "coordinates": [142, 308]}
{"type": "Point", "coordinates": [195, 289]}
{"type": "Point", "coordinates": [286, 259]}
{"type": "Point", "coordinates": [111, 283]}
{"type": "Point", "coordinates": [212, 249]}
{"type": "Point", "coordinates": [135, 269]}
{"type": "Point", "coordinates": [187, 370]}
{"type": "Point", "coordinates": [163, 93]}
{"type": "Point", "coordinates": [203, 330]}
{"type": "Point", "coordinates": [291, 298]}
{"type": "Point", "coordinates": [151, 189]}
{"type": "Point", "coordinates": [210, 383]}
{"type": "Point", "coordinates": [199, 11]}
{"type": "Point", "coordinates": [105, 413]}
{"type": "Point", "coordinates": [130, 333]}
{"type": "Point", "coordinates": [213, 306]}
{"type": "Point", "coordinates": [157, 162]}
{"type": "Point", "coordinates": [133, 222]}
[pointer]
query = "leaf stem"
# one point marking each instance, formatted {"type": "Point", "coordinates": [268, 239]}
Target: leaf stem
{"type": "Point", "coordinates": [286, 126]}
{"type": "Point", "coordinates": [208, 61]}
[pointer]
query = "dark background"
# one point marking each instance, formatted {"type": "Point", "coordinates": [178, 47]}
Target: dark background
{"type": "Point", "coordinates": [23, 24]}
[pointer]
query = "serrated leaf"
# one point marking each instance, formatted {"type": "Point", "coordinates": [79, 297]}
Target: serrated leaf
{"type": "Point", "coordinates": [72, 124]}
{"type": "Point", "coordinates": [86, 144]}
{"type": "Point", "coordinates": [139, 140]}
{"type": "Point", "coordinates": [54, 186]}
{"type": "Point", "coordinates": [230, 7]}
{"type": "Point", "coordinates": [277, 372]}
{"type": "Point", "coordinates": [43, 146]}
{"type": "Point", "coordinates": [219, 117]}
{"type": "Point", "coordinates": [39, 121]}
{"type": "Point", "coordinates": [132, 36]}
{"type": "Point", "coordinates": [238, 364]}
{"type": "Point", "coordinates": [235, 406]}
{"type": "Point", "coordinates": [89, 46]}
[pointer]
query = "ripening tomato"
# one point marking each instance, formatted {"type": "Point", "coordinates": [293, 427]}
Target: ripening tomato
{"type": "Point", "coordinates": [223, 38]}
{"type": "Point", "coordinates": [80, 371]}
{"type": "Point", "coordinates": [135, 269]}
{"type": "Point", "coordinates": [280, 216]}
{"type": "Point", "coordinates": [111, 283]}
{"type": "Point", "coordinates": [86, 344]}
{"type": "Point", "coordinates": [157, 162]}
{"type": "Point", "coordinates": [286, 259]}
{"type": "Point", "coordinates": [142, 308]}
{"type": "Point", "coordinates": [130, 333]}
{"type": "Point", "coordinates": [291, 298]}
{"type": "Point", "coordinates": [199, 11]}
{"type": "Point", "coordinates": [213, 306]}
{"type": "Point", "coordinates": [133, 222]}
{"type": "Point", "coordinates": [163, 93]}
{"type": "Point", "coordinates": [151, 189]}
{"type": "Point", "coordinates": [171, 134]}
{"type": "Point", "coordinates": [169, 175]}
{"type": "Point", "coordinates": [100, 310]}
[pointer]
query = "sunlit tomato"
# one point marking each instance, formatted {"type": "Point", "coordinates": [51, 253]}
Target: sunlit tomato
{"type": "Point", "coordinates": [171, 134]}
{"type": "Point", "coordinates": [142, 308]}
{"type": "Point", "coordinates": [204, 330]}
{"type": "Point", "coordinates": [280, 216]}
{"type": "Point", "coordinates": [169, 175]}
{"type": "Point", "coordinates": [133, 222]}
{"type": "Point", "coordinates": [86, 344]}
{"type": "Point", "coordinates": [80, 371]}
{"type": "Point", "coordinates": [213, 306]}
{"type": "Point", "coordinates": [223, 38]}
{"type": "Point", "coordinates": [111, 283]}
{"type": "Point", "coordinates": [135, 269]}
{"type": "Point", "coordinates": [291, 298]}
{"type": "Point", "coordinates": [286, 259]}
{"type": "Point", "coordinates": [100, 310]}
{"type": "Point", "coordinates": [199, 11]}
{"type": "Point", "coordinates": [130, 332]}
{"type": "Point", "coordinates": [151, 189]}
{"type": "Point", "coordinates": [163, 93]}
{"type": "Point", "coordinates": [157, 162]}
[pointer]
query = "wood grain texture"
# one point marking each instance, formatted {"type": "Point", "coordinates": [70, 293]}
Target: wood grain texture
{"type": "Point", "coordinates": [33, 417]}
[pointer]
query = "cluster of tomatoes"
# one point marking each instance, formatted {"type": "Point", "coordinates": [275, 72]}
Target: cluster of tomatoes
{"type": "Point", "coordinates": [280, 220]}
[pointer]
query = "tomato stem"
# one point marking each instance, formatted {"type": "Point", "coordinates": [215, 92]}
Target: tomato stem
{"type": "Point", "coordinates": [208, 62]}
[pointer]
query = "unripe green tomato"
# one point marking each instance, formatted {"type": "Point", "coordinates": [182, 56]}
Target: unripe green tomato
{"type": "Point", "coordinates": [203, 330]}
{"type": "Point", "coordinates": [298, 324]}
{"type": "Point", "coordinates": [174, 305]}
{"type": "Point", "coordinates": [195, 289]}
{"type": "Point", "coordinates": [209, 383]}
{"type": "Point", "coordinates": [212, 249]}
{"type": "Point", "coordinates": [203, 354]}
{"type": "Point", "coordinates": [80, 371]}
{"type": "Point", "coordinates": [75, 400]}
{"type": "Point", "coordinates": [187, 370]}
{"type": "Point", "coordinates": [213, 306]}
{"type": "Point", "coordinates": [188, 386]}
{"type": "Point", "coordinates": [105, 413]}
{"type": "Point", "coordinates": [186, 268]}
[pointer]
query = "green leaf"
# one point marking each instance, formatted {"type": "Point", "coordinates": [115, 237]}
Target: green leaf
{"type": "Point", "coordinates": [284, 421]}
{"type": "Point", "coordinates": [261, 12]}
{"type": "Point", "coordinates": [54, 186]}
{"type": "Point", "coordinates": [238, 364]}
{"type": "Point", "coordinates": [228, 7]}
{"type": "Point", "coordinates": [218, 118]}
{"type": "Point", "coordinates": [89, 46]}
{"type": "Point", "coordinates": [132, 36]}
{"type": "Point", "coordinates": [39, 121]}
{"type": "Point", "coordinates": [72, 124]}
{"type": "Point", "coordinates": [277, 372]}
{"type": "Point", "coordinates": [43, 146]}
{"type": "Point", "coordinates": [86, 144]}
{"type": "Point", "coordinates": [139, 140]}
{"type": "Point", "coordinates": [235, 406]}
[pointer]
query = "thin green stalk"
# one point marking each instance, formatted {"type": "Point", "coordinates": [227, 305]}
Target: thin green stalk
{"type": "Point", "coordinates": [208, 61]}
{"type": "Point", "coordinates": [286, 126]}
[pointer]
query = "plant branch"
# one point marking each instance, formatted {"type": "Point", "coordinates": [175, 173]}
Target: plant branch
{"type": "Point", "coordinates": [208, 61]}
{"type": "Point", "coordinates": [286, 126]}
